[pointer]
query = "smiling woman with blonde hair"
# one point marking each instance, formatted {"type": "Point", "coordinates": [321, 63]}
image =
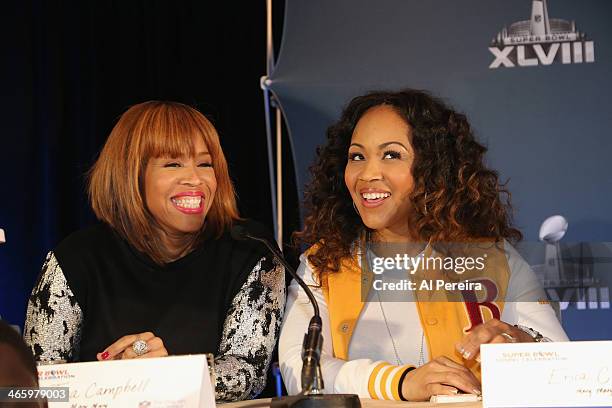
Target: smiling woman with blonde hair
{"type": "Point", "coordinates": [160, 274]}
{"type": "Point", "coordinates": [146, 133]}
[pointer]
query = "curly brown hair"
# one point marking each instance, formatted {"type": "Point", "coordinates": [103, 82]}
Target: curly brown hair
{"type": "Point", "coordinates": [456, 197]}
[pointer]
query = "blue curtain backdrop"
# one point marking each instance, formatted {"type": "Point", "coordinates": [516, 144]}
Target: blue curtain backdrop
{"type": "Point", "coordinates": [543, 110]}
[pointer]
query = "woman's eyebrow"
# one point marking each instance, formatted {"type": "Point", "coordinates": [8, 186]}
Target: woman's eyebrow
{"type": "Point", "coordinates": [205, 153]}
{"type": "Point", "coordinates": [383, 145]}
{"type": "Point", "coordinates": [356, 145]}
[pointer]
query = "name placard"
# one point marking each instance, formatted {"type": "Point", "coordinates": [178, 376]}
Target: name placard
{"type": "Point", "coordinates": [167, 382]}
{"type": "Point", "coordinates": [569, 374]}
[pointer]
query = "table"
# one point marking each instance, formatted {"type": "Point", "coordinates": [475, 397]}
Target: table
{"type": "Point", "coordinates": [365, 403]}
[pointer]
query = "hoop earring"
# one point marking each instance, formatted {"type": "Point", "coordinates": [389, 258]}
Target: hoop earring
{"type": "Point", "coordinates": [424, 204]}
{"type": "Point", "coordinates": [356, 210]}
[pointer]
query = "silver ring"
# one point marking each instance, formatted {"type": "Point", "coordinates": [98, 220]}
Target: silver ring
{"type": "Point", "coordinates": [510, 338]}
{"type": "Point", "coordinates": [140, 347]}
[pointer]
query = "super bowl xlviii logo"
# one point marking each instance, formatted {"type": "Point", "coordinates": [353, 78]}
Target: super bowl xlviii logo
{"type": "Point", "coordinates": [540, 41]}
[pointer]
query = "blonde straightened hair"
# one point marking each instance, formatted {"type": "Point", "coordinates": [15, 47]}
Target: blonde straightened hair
{"type": "Point", "coordinates": [116, 181]}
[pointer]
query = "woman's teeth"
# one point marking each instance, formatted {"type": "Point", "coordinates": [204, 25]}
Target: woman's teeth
{"type": "Point", "coordinates": [375, 196]}
{"type": "Point", "coordinates": [187, 202]}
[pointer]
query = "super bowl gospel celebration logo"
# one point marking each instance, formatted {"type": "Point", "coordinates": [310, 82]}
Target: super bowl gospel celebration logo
{"type": "Point", "coordinates": [540, 41]}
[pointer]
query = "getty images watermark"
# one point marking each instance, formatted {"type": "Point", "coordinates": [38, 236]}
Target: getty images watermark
{"type": "Point", "coordinates": [575, 273]}
{"type": "Point", "coordinates": [411, 264]}
{"type": "Point", "coordinates": [456, 272]}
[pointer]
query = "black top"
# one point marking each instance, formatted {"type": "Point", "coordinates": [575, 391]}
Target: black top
{"type": "Point", "coordinates": [216, 299]}
{"type": "Point", "coordinates": [122, 291]}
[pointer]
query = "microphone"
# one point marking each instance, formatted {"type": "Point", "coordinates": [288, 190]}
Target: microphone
{"type": "Point", "coordinates": [313, 340]}
{"type": "Point", "coordinates": [311, 378]}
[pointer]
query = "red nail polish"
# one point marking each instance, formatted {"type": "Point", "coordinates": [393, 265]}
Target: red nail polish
{"type": "Point", "coordinates": [105, 355]}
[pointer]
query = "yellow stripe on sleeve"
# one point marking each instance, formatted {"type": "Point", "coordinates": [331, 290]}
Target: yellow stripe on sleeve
{"type": "Point", "coordinates": [382, 383]}
{"type": "Point", "coordinates": [395, 382]}
{"type": "Point", "coordinates": [372, 380]}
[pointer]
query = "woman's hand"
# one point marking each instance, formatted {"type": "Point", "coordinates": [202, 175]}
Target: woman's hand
{"type": "Point", "coordinates": [492, 331]}
{"type": "Point", "coordinates": [439, 376]}
{"type": "Point", "coordinates": [122, 348]}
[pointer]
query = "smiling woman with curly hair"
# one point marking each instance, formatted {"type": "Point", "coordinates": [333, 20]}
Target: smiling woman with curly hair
{"type": "Point", "coordinates": [403, 167]}
{"type": "Point", "coordinates": [462, 196]}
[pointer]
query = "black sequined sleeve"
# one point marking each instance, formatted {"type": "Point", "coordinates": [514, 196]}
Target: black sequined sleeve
{"type": "Point", "coordinates": [53, 320]}
{"type": "Point", "coordinates": [250, 332]}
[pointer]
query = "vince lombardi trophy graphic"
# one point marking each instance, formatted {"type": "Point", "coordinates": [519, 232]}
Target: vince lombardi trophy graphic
{"type": "Point", "coordinates": [552, 231]}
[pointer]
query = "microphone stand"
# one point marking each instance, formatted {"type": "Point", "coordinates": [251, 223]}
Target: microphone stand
{"type": "Point", "coordinates": [312, 379]}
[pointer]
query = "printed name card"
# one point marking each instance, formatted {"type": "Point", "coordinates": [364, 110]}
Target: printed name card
{"type": "Point", "coordinates": [570, 374]}
{"type": "Point", "coordinates": [177, 382]}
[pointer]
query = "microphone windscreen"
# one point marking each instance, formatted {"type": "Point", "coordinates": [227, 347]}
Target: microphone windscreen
{"type": "Point", "coordinates": [239, 233]}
